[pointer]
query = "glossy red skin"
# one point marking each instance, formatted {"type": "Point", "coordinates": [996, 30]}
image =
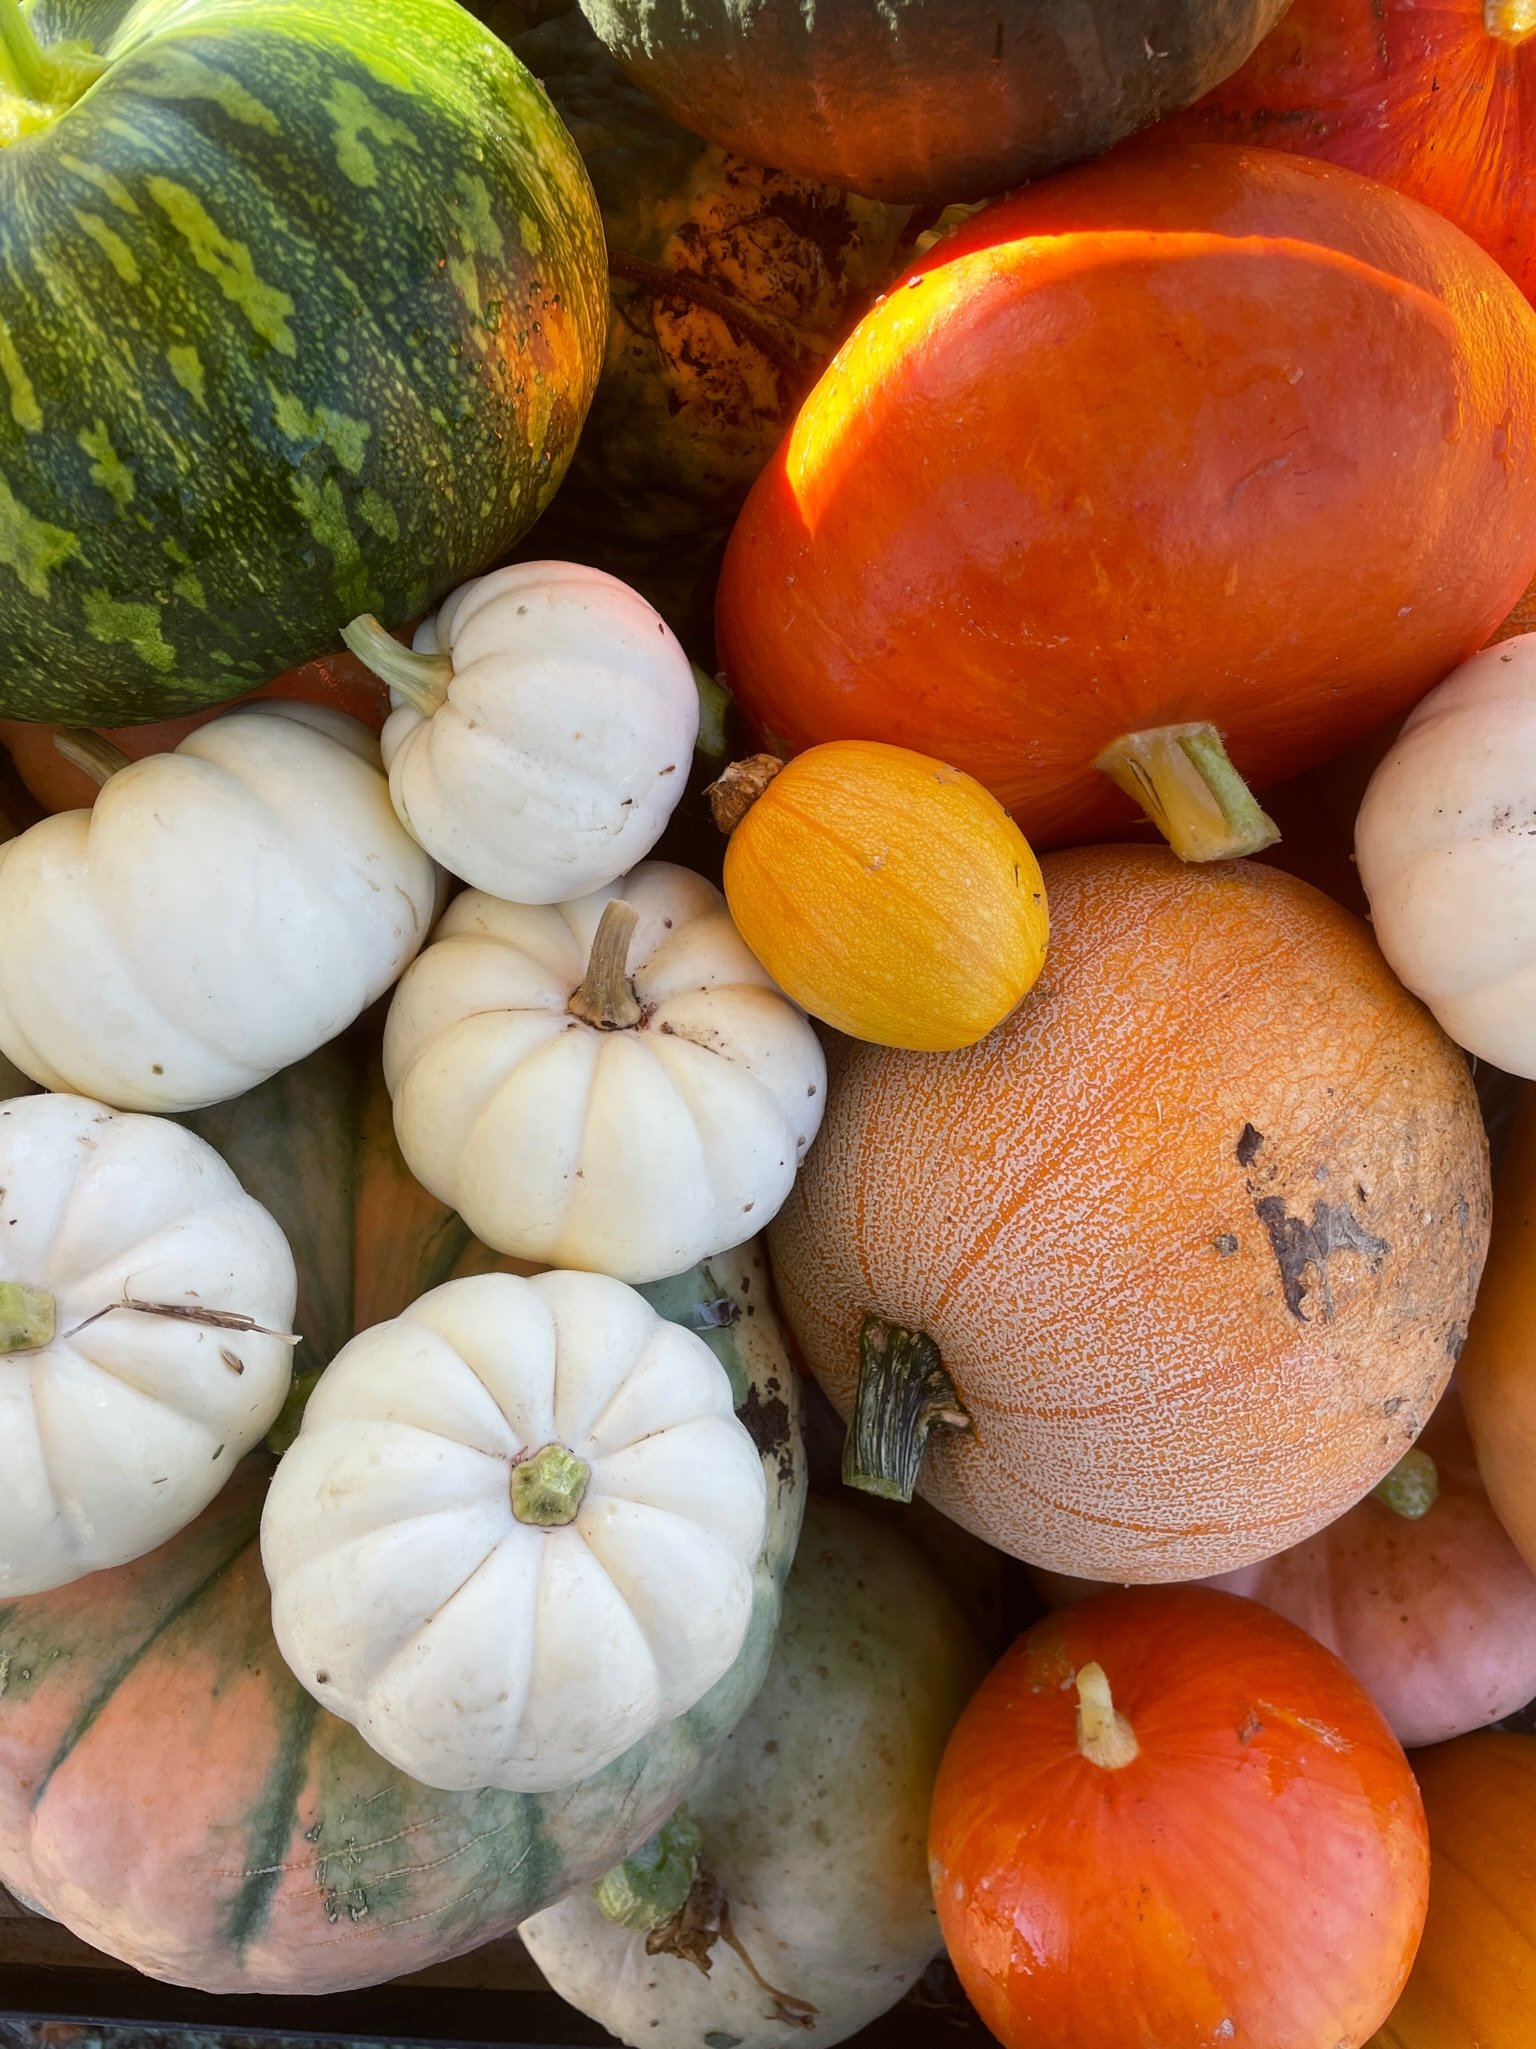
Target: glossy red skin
{"type": "Point", "coordinates": [1257, 1876]}
{"type": "Point", "coordinates": [1414, 92]}
{"type": "Point", "coordinates": [339, 681]}
{"type": "Point", "coordinates": [1190, 433]}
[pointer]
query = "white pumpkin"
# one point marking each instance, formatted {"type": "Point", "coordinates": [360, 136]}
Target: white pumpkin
{"type": "Point", "coordinates": [220, 913]}
{"type": "Point", "coordinates": [628, 1104]}
{"type": "Point", "coordinates": [790, 1900]}
{"type": "Point", "coordinates": [145, 1302]}
{"type": "Point", "coordinates": [1446, 846]}
{"type": "Point", "coordinates": [543, 729]}
{"type": "Point", "coordinates": [516, 1532]}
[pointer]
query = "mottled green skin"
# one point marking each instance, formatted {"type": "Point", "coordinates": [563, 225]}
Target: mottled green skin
{"type": "Point", "coordinates": [302, 305]}
{"type": "Point", "coordinates": [171, 1793]}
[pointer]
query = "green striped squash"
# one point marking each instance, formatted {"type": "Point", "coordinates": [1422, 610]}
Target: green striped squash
{"type": "Point", "coordinates": [301, 309]}
{"type": "Point", "coordinates": [170, 1793]}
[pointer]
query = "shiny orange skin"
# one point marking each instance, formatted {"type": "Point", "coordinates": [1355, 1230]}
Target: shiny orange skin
{"type": "Point", "coordinates": [1474, 1983]}
{"type": "Point", "coordinates": [1256, 1876]}
{"type": "Point", "coordinates": [339, 681]}
{"type": "Point", "coordinates": [1191, 433]}
{"type": "Point", "coordinates": [1414, 92]}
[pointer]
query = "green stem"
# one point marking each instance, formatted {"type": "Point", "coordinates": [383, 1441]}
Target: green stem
{"type": "Point", "coordinates": [26, 1317]}
{"type": "Point", "coordinates": [1182, 778]}
{"type": "Point", "coordinates": [23, 67]}
{"type": "Point", "coordinates": [904, 1394]}
{"type": "Point", "coordinates": [92, 753]}
{"type": "Point", "coordinates": [1412, 1487]}
{"type": "Point", "coordinates": [422, 680]}
{"type": "Point", "coordinates": [547, 1489]}
{"type": "Point", "coordinates": [1104, 1736]}
{"type": "Point", "coordinates": [1510, 21]}
{"type": "Point", "coordinates": [649, 1888]}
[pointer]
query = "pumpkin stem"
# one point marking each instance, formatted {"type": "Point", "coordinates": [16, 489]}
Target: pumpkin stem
{"type": "Point", "coordinates": [1182, 778]}
{"type": "Point", "coordinates": [1104, 1736]}
{"type": "Point", "coordinates": [714, 706]}
{"type": "Point", "coordinates": [27, 1317]}
{"type": "Point", "coordinates": [422, 680]}
{"type": "Point", "coordinates": [700, 1922]}
{"type": "Point", "coordinates": [651, 1887]}
{"type": "Point", "coordinates": [739, 788]}
{"type": "Point", "coordinates": [607, 997]}
{"type": "Point", "coordinates": [1510, 21]}
{"type": "Point", "coordinates": [904, 1393]}
{"type": "Point", "coordinates": [23, 67]}
{"type": "Point", "coordinates": [548, 1488]}
{"type": "Point", "coordinates": [93, 752]}
{"type": "Point", "coordinates": [1412, 1487]}
{"type": "Point", "coordinates": [39, 83]}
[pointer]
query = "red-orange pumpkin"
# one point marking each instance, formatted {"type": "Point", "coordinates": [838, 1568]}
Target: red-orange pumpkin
{"type": "Point", "coordinates": [1436, 97]}
{"type": "Point", "coordinates": [1170, 1818]}
{"type": "Point", "coordinates": [1194, 434]}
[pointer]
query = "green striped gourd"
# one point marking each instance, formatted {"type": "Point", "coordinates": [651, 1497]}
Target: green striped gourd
{"type": "Point", "coordinates": [301, 310]}
{"type": "Point", "coordinates": [169, 1791]}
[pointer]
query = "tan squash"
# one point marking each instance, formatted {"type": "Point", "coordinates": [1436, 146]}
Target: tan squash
{"type": "Point", "coordinates": [1190, 1242]}
{"type": "Point", "coordinates": [1498, 1370]}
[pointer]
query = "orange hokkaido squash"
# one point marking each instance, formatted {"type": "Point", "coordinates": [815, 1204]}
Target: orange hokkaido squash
{"type": "Point", "coordinates": [1183, 1252]}
{"type": "Point", "coordinates": [890, 895]}
{"type": "Point", "coordinates": [1192, 440]}
{"type": "Point", "coordinates": [1473, 1984]}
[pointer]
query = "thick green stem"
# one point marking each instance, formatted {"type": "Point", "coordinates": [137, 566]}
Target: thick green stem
{"type": "Point", "coordinates": [27, 1317]}
{"type": "Point", "coordinates": [651, 1887]}
{"type": "Point", "coordinates": [548, 1488]}
{"type": "Point", "coordinates": [36, 83]}
{"type": "Point", "coordinates": [1181, 777]}
{"type": "Point", "coordinates": [606, 997]}
{"type": "Point", "coordinates": [1511, 21]}
{"type": "Point", "coordinates": [92, 753]}
{"type": "Point", "coordinates": [1104, 1736]}
{"type": "Point", "coordinates": [422, 680]}
{"type": "Point", "coordinates": [904, 1395]}
{"type": "Point", "coordinates": [23, 67]}
{"type": "Point", "coordinates": [1412, 1487]}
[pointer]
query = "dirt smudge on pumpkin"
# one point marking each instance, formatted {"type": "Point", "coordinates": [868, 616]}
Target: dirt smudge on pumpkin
{"type": "Point", "coordinates": [1249, 1142]}
{"type": "Point", "coordinates": [768, 1424]}
{"type": "Point", "coordinates": [1303, 1247]}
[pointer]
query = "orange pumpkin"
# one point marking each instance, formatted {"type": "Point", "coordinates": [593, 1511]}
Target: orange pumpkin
{"type": "Point", "coordinates": [891, 896]}
{"type": "Point", "coordinates": [1436, 97]}
{"type": "Point", "coordinates": [1190, 1242]}
{"type": "Point", "coordinates": [1172, 1818]}
{"type": "Point", "coordinates": [1498, 1370]}
{"type": "Point", "coordinates": [1474, 1981]}
{"type": "Point", "coordinates": [1191, 439]}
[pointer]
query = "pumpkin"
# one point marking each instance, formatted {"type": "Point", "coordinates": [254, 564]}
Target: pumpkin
{"type": "Point", "coordinates": [926, 100]}
{"type": "Point", "coordinates": [516, 1533]}
{"type": "Point", "coordinates": [285, 1855]}
{"type": "Point", "coordinates": [1303, 489]}
{"type": "Point", "coordinates": [543, 729]}
{"type": "Point", "coordinates": [891, 896]}
{"type": "Point", "coordinates": [1174, 1266]}
{"type": "Point", "coordinates": [1171, 1817]}
{"type": "Point", "coordinates": [1417, 1588]}
{"type": "Point", "coordinates": [1439, 101]}
{"type": "Point", "coordinates": [1474, 1979]}
{"type": "Point", "coordinates": [1441, 842]}
{"type": "Point", "coordinates": [328, 295]}
{"type": "Point", "coordinates": [790, 1895]}
{"type": "Point", "coordinates": [220, 913]}
{"type": "Point", "coordinates": [612, 1084]}
{"type": "Point", "coordinates": [1497, 1377]}
{"type": "Point", "coordinates": [145, 1302]}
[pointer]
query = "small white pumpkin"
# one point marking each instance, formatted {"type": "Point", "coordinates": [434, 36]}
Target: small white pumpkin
{"type": "Point", "coordinates": [516, 1532]}
{"type": "Point", "coordinates": [145, 1302]}
{"type": "Point", "coordinates": [1446, 846]}
{"type": "Point", "coordinates": [614, 1084]}
{"type": "Point", "coordinates": [220, 913]}
{"type": "Point", "coordinates": [543, 729]}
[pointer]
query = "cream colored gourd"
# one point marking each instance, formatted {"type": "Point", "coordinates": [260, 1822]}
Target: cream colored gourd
{"type": "Point", "coordinates": [543, 729]}
{"type": "Point", "coordinates": [613, 1084]}
{"type": "Point", "coordinates": [516, 1532]}
{"type": "Point", "coordinates": [220, 913]}
{"type": "Point", "coordinates": [789, 1901]}
{"type": "Point", "coordinates": [145, 1305]}
{"type": "Point", "coordinates": [1446, 846]}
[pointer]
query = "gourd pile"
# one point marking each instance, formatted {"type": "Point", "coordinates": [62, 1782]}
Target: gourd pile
{"type": "Point", "coordinates": [766, 893]}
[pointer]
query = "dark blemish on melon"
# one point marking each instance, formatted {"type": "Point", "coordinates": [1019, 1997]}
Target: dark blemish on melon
{"type": "Point", "coordinates": [1226, 1243]}
{"type": "Point", "coordinates": [1248, 1146]}
{"type": "Point", "coordinates": [1305, 1246]}
{"type": "Point", "coordinates": [768, 1426]}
